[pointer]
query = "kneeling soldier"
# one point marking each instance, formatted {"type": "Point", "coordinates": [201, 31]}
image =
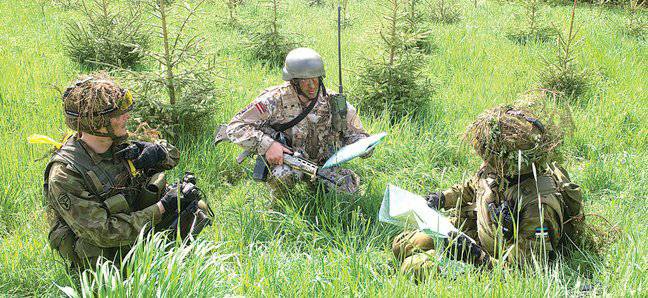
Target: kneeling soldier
{"type": "Point", "coordinates": [102, 190]}
{"type": "Point", "coordinates": [313, 122]}
{"type": "Point", "coordinates": [511, 210]}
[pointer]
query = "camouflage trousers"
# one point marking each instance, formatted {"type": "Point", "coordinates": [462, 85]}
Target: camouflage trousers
{"type": "Point", "coordinates": [415, 250]}
{"type": "Point", "coordinates": [283, 178]}
{"type": "Point", "coordinates": [82, 254]}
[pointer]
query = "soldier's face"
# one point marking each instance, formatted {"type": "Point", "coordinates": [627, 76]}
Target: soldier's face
{"type": "Point", "coordinates": [309, 86]}
{"type": "Point", "coordinates": [119, 124]}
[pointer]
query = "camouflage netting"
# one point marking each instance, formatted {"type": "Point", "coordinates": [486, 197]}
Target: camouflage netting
{"type": "Point", "coordinates": [530, 127]}
{"type": "Point", "coordinates": [89, 97]}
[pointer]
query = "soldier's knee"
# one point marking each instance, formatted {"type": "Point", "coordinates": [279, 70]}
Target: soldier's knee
{"type": "Point", "coordinates": [411, 242]}
{"type": "Point", "coordinates": [420, 265]}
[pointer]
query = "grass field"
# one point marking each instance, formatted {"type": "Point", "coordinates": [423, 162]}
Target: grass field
{"type": "Point", "coordinates": [335, 246]}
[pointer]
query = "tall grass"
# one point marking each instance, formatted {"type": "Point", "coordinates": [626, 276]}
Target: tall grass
{"type": "Point", "coordinates": [321, 244]}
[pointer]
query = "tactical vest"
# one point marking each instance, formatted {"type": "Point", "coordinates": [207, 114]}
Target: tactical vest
{"type": "Point", "coordinates": [98, 181]}
{"type": "Point", "coordinates": [557, 194]}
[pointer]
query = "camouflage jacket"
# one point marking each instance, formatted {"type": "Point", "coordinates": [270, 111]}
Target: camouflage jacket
{"type": "Point", "coordinates": [314, 136]}
{"type": "Point", "coordinates": [93, 198]}
{"type": "Point", "coordinates": [552, 198]}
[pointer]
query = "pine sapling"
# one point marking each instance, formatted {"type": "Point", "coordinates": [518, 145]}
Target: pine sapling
{"type": "Point", "coordinates": [564, 75]}
{"type": "Point", "coordinates": [180, 94]}
{"type": "Point", "coordinates": [534, 29]}
{"type": "Point", "coordinates": [109, 35]}
{"type": "Point", "coordinates": [445, 11]}
{"type": "Point", "coordinates": [392, 84]}
{"type": "Point", "coordinates": [636, 24]}
{"type": "Point", "coordinates": [268, 44]}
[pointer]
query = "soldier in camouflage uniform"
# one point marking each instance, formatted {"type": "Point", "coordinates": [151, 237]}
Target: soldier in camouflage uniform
{"type": "Point", "coordinates": [326, 128]}
{"type": "Point", "coordinates": [102, 190]}
{"type": "Point", "coordinates": [513, 212]}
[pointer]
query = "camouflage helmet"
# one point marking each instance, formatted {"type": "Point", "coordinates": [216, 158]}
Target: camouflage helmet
{"type": "Point", "coordinates": [510, 138]}
{"type": "Point", "coordinates": [303, 63]}
{"type": "Point", "coordinates": [91, 101]}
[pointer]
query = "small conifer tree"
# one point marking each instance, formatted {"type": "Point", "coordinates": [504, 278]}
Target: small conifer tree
{"type": "Point", "coordinates": [268, 44]}
{"type": "Point", "coordinates": [563, 74]}
{"type": "Point", "coordinates": [107, 36]}
{"type": "Point", "coordinates": [180, 94]}
{"type": "Point", "coordinates": [392, 83]}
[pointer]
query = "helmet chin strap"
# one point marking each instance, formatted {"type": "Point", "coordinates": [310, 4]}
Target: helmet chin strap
{"type": "Point", "coordinates": [110, 134]}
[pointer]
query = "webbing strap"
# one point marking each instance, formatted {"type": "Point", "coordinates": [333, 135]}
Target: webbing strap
{"type": "Point", "coordinates": [283, 126]}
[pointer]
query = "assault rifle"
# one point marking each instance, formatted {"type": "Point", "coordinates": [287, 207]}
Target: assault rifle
{"type": "Point", "coordinates": [294, 161]}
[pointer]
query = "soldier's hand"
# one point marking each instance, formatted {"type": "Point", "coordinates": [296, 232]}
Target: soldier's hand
{"type": "Point", "coordinates": [151, 156]}
{"type": "Point", "coordinates": [435, 200]}
{"type": "Point", "coordinates": [275, 153]}
{"type": "Point", "coordinates": [190, 193]}
{"type": "Point", "coordinates": [170, 199]}
{"type": "Point", "coordinates": [461, 247]}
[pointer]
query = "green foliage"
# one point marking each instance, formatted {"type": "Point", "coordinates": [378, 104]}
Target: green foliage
{"type": "Point", "coordinates": [179, 96]}
{"type": "Point", "coordinates": [323, 252]}
{"type": "Point", "coordinates": [232, 5]}
{"type": "Point", "coordinates": [534, 29]}
{"type": "Point", "coordinates": [445, 11]}
{"type": "Point", "coordinates": [394, 84]}
{"type": "Point", "coordinates": [107, 36]}
{"type": "Point", "coordinates": [155, 266]}
{"type": "Point", "coordinates": [420, 37]}
{"type": "Point", "coordinates": [267, 43]}
{"type": "Point", "coordinates": [564, 75]}
{"type": "Point", "coordinates": [395, 87]}
{"type": "Point", "coordinates": [636, 24]}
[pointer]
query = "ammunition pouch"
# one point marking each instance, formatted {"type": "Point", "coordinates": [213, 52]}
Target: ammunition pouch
{"type": "Point", "coordinates": [151, 191]}
{"type": "Point", "coordinates": [62, 239]}
{"type": "Point", "coordinates": [116, 204]}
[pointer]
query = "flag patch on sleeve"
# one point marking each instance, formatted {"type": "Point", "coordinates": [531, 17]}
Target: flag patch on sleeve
{"type": "Point", "coordinates": [261, 108]}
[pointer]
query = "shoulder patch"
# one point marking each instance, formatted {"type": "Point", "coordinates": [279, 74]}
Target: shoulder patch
{"type": "Point", "coordinates": [64, 201]}
{"type": "Point", "coordinates": [261, 108]}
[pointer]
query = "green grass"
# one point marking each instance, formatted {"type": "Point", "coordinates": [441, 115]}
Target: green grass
{"type": "Point", "coordinates": [325, 245]}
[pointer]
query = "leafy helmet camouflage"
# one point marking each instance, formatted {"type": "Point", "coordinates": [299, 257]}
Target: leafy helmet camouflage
{"type": "Point", "coordinates": [91, 101]}
{"type": "Point", "coordinates": [510, 138]}
{"type": "Point", "coordinates": [303, 63]}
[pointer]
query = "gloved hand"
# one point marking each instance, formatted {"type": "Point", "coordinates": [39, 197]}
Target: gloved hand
{"type": "Point", "coordinates": [190, 193]}
{"type": "Point", "coordinates": [461, 247]}
{"type": "Point", "coordinates": [503, 216]}
{"type": "Point", "coordinates": [144, 155]}
{"type": "Point", "coordinates": [435, 200]}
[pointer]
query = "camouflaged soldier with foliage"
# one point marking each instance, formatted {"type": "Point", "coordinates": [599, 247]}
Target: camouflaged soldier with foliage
{"type": "Point", "coordinates": [308, 117]}
{"type": "Point", "coordinates": [521, 206]}
{"type": "Point", "coordinates": [102, 190]}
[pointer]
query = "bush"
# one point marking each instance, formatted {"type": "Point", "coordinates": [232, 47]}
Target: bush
{"type": "Point", "coordinates": [636, 23]}
{"type": "Point", "coordinates": [107, 36]}
{"type": "Point", "coordinates": [393, 84]}
{"type": "Point", "coordinates": [396, 88]}
{"type": "Point", "coordinates": [180, 96]}
{"type": "Point", "coordinates": [563, 75]}
{"type": "Point", "coordinates": [266, 43]}
{"type": "Point", "coordinates": [445, 11]}
{"type": "Point", "coordinates": [534, 30]}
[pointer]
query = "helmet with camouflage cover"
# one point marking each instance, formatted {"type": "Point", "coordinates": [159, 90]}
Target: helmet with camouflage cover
{"type": "Point", "coordinates": [302, 63]}
{"type": "Point", "coordinates": [501, 135]}
{"type": "Point", "coordinates": [90, 103]}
